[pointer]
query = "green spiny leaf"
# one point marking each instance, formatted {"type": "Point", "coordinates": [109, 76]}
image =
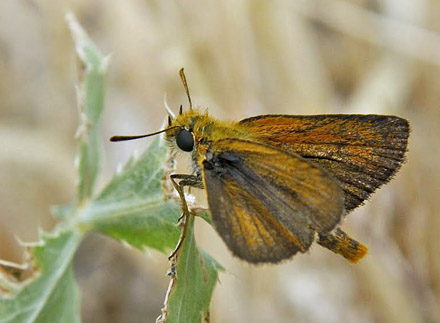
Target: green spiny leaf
{"type": "Point", "coordinates": [51, 293]}
{"type": "Point", "coordinates": [90, 93]}
{"type": "Point", "coordinates": [133, 208]}
{"type": "Point", "coordinates": [196, 274]}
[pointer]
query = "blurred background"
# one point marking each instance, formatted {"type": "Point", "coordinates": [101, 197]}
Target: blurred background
{"type": "Point", "coordinates": [242, 58]}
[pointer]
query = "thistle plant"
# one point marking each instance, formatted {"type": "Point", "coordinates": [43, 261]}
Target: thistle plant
{"type": "Point", "coordinates": [132, 209]}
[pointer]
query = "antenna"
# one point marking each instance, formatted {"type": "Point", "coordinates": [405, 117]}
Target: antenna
{"type": "Point", "coordinates": [185, 85]}
{"type": "Point", "coordinates": [125, 138]}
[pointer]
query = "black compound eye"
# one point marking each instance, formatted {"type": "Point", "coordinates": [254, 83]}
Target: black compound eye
{"type": "Point", "coordinates": [185, 140]}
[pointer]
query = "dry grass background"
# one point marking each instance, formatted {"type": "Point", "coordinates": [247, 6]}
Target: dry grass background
{"type": "Point", "coordinates": [242, 58]}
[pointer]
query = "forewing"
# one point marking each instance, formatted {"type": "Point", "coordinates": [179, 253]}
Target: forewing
{"type": "Point", "coordinates": [361, 151]}
{"type": "Point", "coordinates": [265, 203]}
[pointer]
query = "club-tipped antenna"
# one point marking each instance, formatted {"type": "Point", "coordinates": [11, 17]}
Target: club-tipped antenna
{"type": "Point", "coordinates": [185, 85]}
{"type": "Point", "coordinates": [125, 138]}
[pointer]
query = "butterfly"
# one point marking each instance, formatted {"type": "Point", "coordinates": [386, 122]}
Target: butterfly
{"type": "Point", "coordinates": [277, 183]}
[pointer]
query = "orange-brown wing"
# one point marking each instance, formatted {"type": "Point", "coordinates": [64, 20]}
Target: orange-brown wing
{"type": "Point", "coordinates": [361, 151]}
{"type": "Point", "coordinates": [265, 203]}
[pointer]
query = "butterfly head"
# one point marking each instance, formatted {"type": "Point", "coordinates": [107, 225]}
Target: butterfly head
{"type": "Point", "coordinates": [188, 130]}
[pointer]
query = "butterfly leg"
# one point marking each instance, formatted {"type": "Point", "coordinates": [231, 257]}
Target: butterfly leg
{"type": "Point", "coordinates": [339, 242]}
{"type": "Point", "coordinates": [188, 180]}
{"type": "Point", "coordinates": [179, 182]}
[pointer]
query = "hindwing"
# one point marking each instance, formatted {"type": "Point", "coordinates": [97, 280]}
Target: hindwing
{"type": "Point", "coordinates": [361, 151]}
